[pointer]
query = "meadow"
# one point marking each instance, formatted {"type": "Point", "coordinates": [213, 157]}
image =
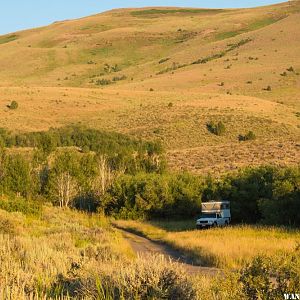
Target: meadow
{"type": "Point", "coordinates": [225, 248]}
{"type": "Point", "coordinates": [65, 254]}
{"type": "Point", "coordinates": [132, 116]}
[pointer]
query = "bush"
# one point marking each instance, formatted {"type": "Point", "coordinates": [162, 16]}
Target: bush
{"type": "Point", "coordinates": [104, 82]}
{"type": "Point", "coordinates": [250, 136]}
{"type": "Point", "coordinates": [264, 194]}
{"type": "Point", "coordinates": [262, 279]}
{"type": "Point", "coordinates": [18, 204]}
{"type": "Point", "coordinates": [268, 88]}
{"type": "Point", "coordinates": [17, 176]}
{"type": "Point", "coordinates": [216, 128]}
{"type": "Point", "coordinates": [13, 105]}
{"type": "Point", "coordinates": [119, 78]}
{"type": "Point", "coordinates": [146, 278]}
{"type": "Point", "coordinates": [163, 60]}
{"type": "Point", "coordinates": [271, 278]}
{"type": "Point", "coordinates": [154, 195]}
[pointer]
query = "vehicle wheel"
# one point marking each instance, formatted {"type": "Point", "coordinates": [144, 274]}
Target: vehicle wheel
{"type": "Point", "coordinates": [226, 223]}
{"type": "Point", "coordinates": [214, 225]}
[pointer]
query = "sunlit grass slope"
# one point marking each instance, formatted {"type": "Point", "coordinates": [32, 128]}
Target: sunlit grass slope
{"type": "Point", "coordinates": [164, 73]}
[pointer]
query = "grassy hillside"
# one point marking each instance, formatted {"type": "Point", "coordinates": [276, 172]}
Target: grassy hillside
{"type": "Point", "coordinates": [164, 73]}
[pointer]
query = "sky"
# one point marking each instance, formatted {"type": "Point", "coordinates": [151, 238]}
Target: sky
{"type": "Point", "coordinates": [23, 14]}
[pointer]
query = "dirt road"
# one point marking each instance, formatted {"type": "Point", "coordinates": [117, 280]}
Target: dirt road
{"type": "Point", "coordinates": [142, 245]}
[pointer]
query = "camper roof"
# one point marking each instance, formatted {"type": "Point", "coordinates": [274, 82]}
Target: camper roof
{"type": "Point", "coordinates": [215, 206]}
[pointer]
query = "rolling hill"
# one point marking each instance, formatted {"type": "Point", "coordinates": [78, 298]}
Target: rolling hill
{"type": "Point", "coordinates": [164, 73]}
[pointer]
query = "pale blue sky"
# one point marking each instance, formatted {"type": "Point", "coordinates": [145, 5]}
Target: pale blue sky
{"type": "Point", "coordinates": [21, 14]}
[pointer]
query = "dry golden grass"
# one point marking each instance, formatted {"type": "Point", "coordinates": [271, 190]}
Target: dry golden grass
{"type": "Point", "coordinates": [181, 127]}
{"type": "Point", "coordinates": [70, 255]}
{"type": "Point", "coordinates": [33, 252]}
{"type": "Point", "coordinates": [228, 247]}
{"type": "Point", "coordinates": [51, 72]}
{"type": "Point", "coordinates": [223, 158]}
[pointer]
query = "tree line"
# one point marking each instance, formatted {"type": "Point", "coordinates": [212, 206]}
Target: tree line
{"type": "Point", "coordinates": [72, 166]}
{"type": "Point", "coordinates": [128, 178]}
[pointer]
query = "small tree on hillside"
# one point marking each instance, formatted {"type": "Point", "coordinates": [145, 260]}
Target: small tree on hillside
{"type": "Point", "coordinates": [217, 129]}
{"type": "Point", "coordinates": [17, 175]}
{"type": "Point", "coordinates": [13, 105]}
{"type": "Point", "coordinates": [250, 136]}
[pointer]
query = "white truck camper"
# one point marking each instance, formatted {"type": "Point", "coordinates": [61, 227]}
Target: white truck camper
{"type": "Point", "coordinates": [214, 213]}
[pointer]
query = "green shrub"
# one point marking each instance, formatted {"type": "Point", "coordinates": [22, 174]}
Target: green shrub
{"type": "Point", "coordinates": [163, 60]}
{"type": "Point", "coordinates": [49, 175]}
{"type": "Point", "coordinates": [221, 54]}
{"type": "Point", "coordinates": [263, 278]}
{"type": "Point", "coordinates": [250, 136]}
{"type": "Point", "coordinates": [216, 128]}
{"type": "Point", "coordinates": [111, 143]}
{"type": "Point", "coordinates": [19, 204]}
{"type": "Point", "coordinates": [8, 38]}
{"type": "Point", "coordinates": [104, 82]}
{"type": "Point", "coordinates": [270, 278]}
{"type": "Point", "coordinates": [13, 105]}
{"type": "Point", "coordinates": [268, 88]}
{"type": "Point", "coordinates": [119, 78]}
{"type": "Point", "coordinates": [111, 69]}
{"type": "Point", "coordinates": [174, 67]}
{"type": "Point", "coordinates": [17, 176]}
{"type": "Point", "coordinates": [154, 195]}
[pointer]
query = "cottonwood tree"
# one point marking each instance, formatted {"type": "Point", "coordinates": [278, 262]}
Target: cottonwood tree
{"type": "Point", "coordinates": [65, 188]}
{"type": "Point", "coordinates": [63, 179]}
{"type": "Point", "coordinates": [106, 175]}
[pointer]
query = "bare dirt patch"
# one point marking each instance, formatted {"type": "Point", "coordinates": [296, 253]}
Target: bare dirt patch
{"type": "Point", "coordinates": [142, 246]}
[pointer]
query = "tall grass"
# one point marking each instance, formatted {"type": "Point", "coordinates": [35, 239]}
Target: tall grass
{"type": "Point", "coordinates": [35, 252]}
{"type": "Point", "coordinates": [64, 254]}
{"type": "Point", "coordinates": [230, 247]}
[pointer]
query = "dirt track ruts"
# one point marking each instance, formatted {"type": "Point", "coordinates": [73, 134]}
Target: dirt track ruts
{"type": "Point", "coordinates": [142, 245]}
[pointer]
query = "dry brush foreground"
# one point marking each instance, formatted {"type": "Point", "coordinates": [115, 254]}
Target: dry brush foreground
{"type": "Point", "coordinates": [65, 254]}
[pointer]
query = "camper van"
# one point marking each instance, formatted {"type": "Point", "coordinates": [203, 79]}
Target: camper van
{"type": "Point", "coordinates": [214, 213]}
